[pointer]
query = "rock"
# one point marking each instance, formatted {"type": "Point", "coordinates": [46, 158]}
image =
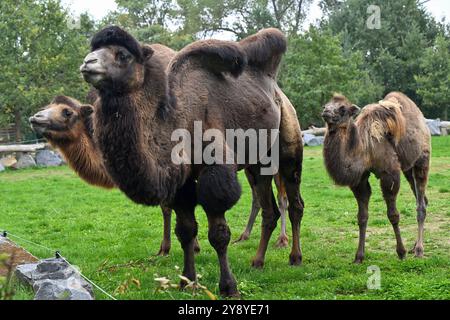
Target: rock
{"type": "Point", "coordinates": [2, 168]}
{"type": "Point", "coordinates": [25, 161]}
{"type": "Point", "coordinates": [48, 158]}
{"type": "Point", "coordinates": [8, 162]}
{"type": "Point", "coordinates": [434, 126]}
{"type": "Point", "coordinates": [312, 140]}
{"type": "Point", "coordinates": [54, 279]}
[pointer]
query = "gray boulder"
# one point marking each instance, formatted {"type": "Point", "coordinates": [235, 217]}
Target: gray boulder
{"type": "Point", "coordinates": [48, 158]}
{"type": "Point", "coordinates": [55, 279]}
{"type": "Point", "coordinates": [312, 140]}
{"type": "Point", "coordinates": [2, 168]}
{"type": "Point", "coordinates": [25, 161]}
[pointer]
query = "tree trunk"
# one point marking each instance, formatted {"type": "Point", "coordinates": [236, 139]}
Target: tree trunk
{"type": "Point", "coordinates": [18, 124]}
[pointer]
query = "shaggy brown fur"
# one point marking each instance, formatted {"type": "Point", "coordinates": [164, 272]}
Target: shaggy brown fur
{"type": "Point", "coordinates": [385, 139]}
{"type": "Point", "coordinates": [134, 136]}
{"type": "Point", "coordinates": [61, 123]}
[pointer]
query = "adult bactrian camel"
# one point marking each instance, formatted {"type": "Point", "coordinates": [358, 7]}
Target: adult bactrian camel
{"type": "Point", "coordinates": [225, 85]}
{"type": "Point", "coordinates": [385, 139]}
{"type": "Point", "coordinates": [68, 127]}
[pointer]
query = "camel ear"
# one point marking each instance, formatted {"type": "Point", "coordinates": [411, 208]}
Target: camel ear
{"type": "Point", "coordinates": [354, 110]}
{"type": "Point", "coordinates": [147, 52]}
{"type": "Point", "coordinates": [86, 110]}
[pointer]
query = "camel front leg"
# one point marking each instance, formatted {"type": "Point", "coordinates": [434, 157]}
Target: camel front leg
{"type": "Point", "coordinates": [390, 185]}
{"type": "Point", "coordinates": [362, 193]}
{"type": "Point", "coordinates": [186, 228]}
{"type": "Point", "coordinates": [166, 242]}
{"type": "Point", "coordinates": [218, 191]}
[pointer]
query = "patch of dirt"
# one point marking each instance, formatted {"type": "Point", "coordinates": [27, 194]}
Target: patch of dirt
{"type": "Point", "coordinates": [16, 254]}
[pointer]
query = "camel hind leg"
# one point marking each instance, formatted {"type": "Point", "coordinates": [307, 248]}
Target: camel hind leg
{"type": "Point", "coordinates": [270, 215]}
{"type": "Point", "coordinates": [291, 173]}
{"type": "Point", "coordinates": [420, 173]}
{"type": "Point", "coordinates": [254, 211]}
{"type": "Point", "coordinates": [283, 240]}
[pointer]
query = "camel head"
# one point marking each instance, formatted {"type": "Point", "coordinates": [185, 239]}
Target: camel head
{"type": "Point", "coordinates": [62, 120]}
{"type": "Point", "coordinates": [339, 111]}
{"type": "Point", "coordinates": [116, 62]}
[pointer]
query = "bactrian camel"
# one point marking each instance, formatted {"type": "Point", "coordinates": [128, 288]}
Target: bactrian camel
{"type": "Point", "coordinates": [223, 85]}
{"type": "Point", "coordinates": [387, 138]}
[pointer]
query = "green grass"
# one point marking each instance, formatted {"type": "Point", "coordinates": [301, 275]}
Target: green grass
{"type": "Point", "coordinates": [95, 228]}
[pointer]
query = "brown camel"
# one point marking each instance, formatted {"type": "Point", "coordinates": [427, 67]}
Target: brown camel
{"type": "Point", "coordinates": [385, 139]}
{"type": "Point", "coordinates": [224, 85]}
{"type": "Point", "coordinates": [63, 125]}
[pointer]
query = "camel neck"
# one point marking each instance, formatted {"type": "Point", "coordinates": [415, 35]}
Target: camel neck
{"type": "Point", "coordinates": [85, 160]}
{"type": "Point", "coordinates": [134, 138]}
{"type": "Point", "coordinates": [341, 154]}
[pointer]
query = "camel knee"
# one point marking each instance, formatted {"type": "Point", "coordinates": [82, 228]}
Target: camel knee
{"type": "Point", "coordinates": [219, 236]}
{"type": "Point", "coordinates": [218, 189]}
{"type": "Point", "coordinates": [270, 220]}
{"type": "Point", "coordinates": [186, 231]}
{"type": "Point", "coordinates": [394, 217]}
{"type": "Point", "coordinates": [421, 214]}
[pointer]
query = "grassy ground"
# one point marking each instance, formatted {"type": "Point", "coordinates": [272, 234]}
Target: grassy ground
{"type": "Point", "coordinates": [113, 241]}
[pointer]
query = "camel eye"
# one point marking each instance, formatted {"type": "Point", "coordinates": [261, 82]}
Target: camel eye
{"type": "Point", "coordinates": [342, 110]}
{"type": "Point", "coordinates": [122, 56]}
{"type": "Point", "coordinates": [67, 113]}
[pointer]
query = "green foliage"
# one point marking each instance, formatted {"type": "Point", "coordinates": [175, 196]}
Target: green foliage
{"type": "Point", "coordinates": [393, 52]}
{"type": "Point", "coordinates": [40, 56]}
{"type": "Point", "coordinates": [434, 83]}
{"type": "Point", "coordinates": [315, 67]}
{"type": "Point", "coordinates": [114, 241]}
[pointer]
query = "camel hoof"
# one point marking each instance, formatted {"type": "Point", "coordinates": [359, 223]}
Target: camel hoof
{"type": "Point", "coordinates": [229, 290]}
{"type": "Point", "coordinates": [418, 252]}
{"type": "Point", "coordinates": [295, 260]}
{"type": "Point", "coordinates": [258, 264]}
{"type": "Point", "coordinates": [243, 237]}
{"type": "Point", "coordinates": [358, 260]}
{"type": "Point", "coordinates": [413, 250]}
{"type": "Point", "coordinates": [401, 252]}
{"type": "Point", "coordinates": [282, 242]}
{"type": "Point", "coordinates": [164, 251]}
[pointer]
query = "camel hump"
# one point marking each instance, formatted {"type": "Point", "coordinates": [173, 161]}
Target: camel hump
{"type": "Point", "coordinates": [214, 55]}
{"type": "Point", "coordinates": [265, 49]}
{"type": "Point", "coordinates": [384, 119]}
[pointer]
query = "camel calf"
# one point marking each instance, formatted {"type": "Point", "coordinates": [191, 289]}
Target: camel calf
{"type": "Point", "coordinates": [385, 139]}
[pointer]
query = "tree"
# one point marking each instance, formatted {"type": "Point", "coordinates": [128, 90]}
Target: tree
{"type": "Point", "coordinates": [434, 83]}
{"type": "Point", "coordinates": [394, 51]}
{"type": "Point", "coordinates": [40, 57]}
{"type": "Point", "coordinates": [315, 67]}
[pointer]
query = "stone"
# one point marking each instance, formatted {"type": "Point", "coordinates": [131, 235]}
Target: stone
{"type": "Point", "coordinates": [2, 168]}
{"type": "Point", "coordinates": [48, 158]}
{"type": "Point", "coordinates": [434, 126]}
{"type": "Point", "coordinates": [55, 279]}
{"type": "Point", "coordinates": [312, 140]}
{"type": "Point", "coordinates": [8, 162]}
{"type": "Point", "coordinates": [25, 161]}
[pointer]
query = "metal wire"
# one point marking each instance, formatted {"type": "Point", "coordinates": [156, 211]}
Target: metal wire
{"type": "Point", "coordinates": [62, 258]}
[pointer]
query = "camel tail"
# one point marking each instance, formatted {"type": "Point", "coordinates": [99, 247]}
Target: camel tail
{"type": "Point", "coordinates": [214, 55]}
{"type": "Point", "coordinates": [265, 49]}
